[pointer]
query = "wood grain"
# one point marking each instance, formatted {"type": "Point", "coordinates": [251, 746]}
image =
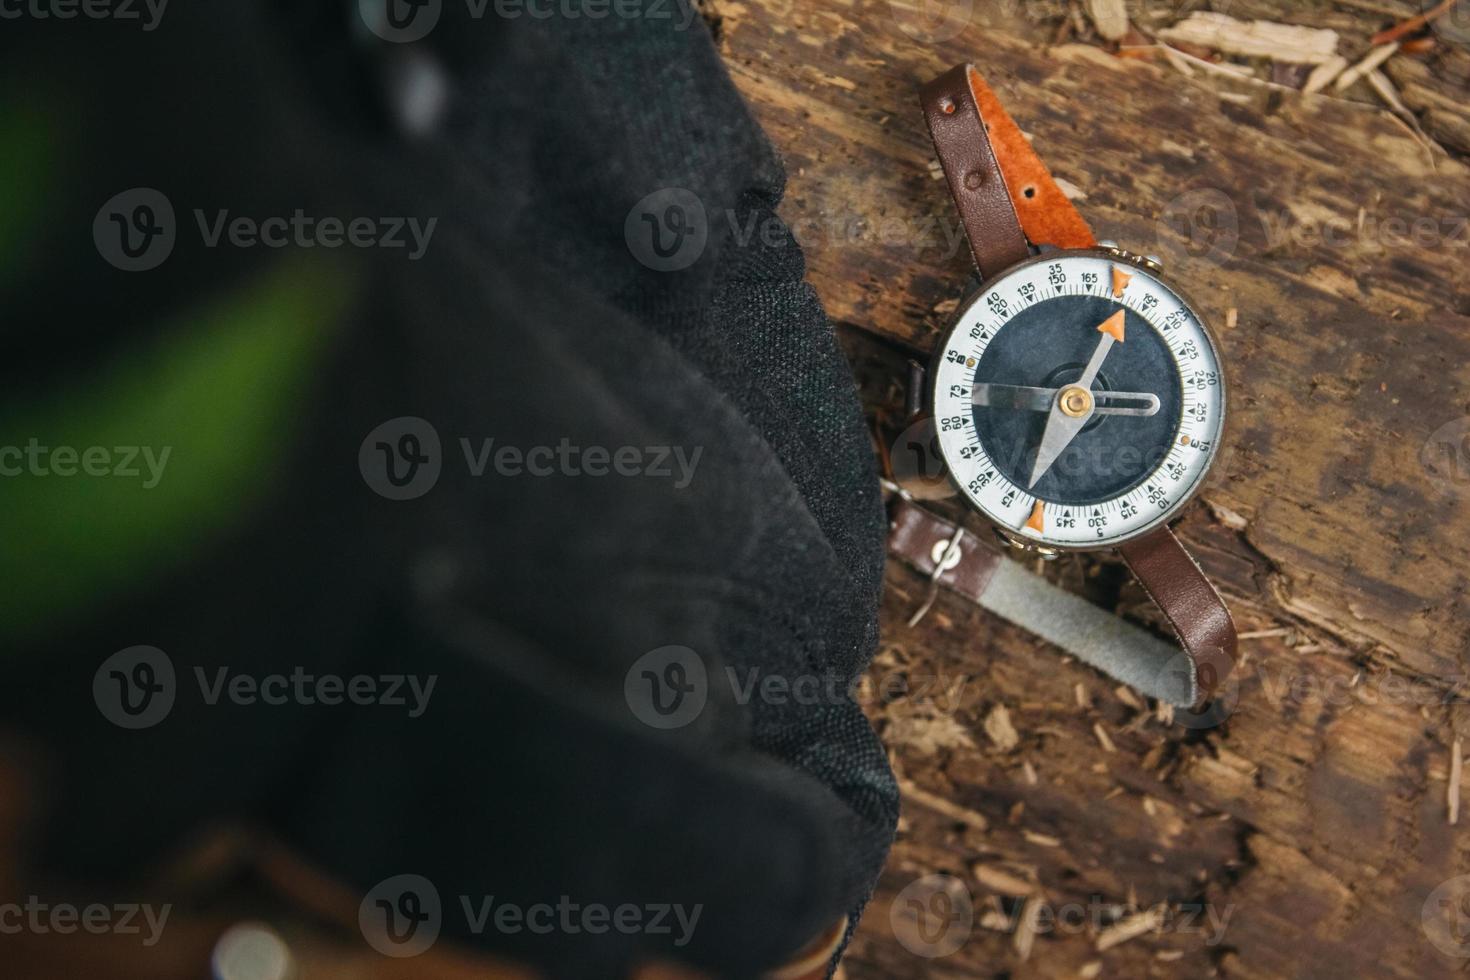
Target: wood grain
{"type": "Point", "coordinates": [1315, 816]}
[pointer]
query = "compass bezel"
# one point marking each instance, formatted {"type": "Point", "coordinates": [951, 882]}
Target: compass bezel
{"type": "Point", "coordinates": [1206, 330]}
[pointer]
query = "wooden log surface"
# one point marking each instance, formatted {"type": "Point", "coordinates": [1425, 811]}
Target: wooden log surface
{"type": "Point", "coordinates": [1329, 246]}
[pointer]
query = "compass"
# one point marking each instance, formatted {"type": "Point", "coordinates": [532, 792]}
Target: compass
{"type": "Point", "coordinates": [1078, 399]}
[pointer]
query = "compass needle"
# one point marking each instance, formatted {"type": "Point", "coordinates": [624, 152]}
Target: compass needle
{"type": "Point", "coordinates": [1074, 404]}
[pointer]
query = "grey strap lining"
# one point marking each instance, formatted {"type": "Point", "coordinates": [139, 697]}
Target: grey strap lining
{"type": "Point", "coordinates": [1095, 636]}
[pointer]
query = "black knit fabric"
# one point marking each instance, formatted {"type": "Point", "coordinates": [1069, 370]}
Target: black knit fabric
{"type": "Point", "coordinates": [530, 319]}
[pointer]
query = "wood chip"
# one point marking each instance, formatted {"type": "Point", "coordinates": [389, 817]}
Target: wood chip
{"type": "Point", "coordinates": [1090, 970]}
{"type": "Point", "coordinates": [1026, 928]}
{"type": "Point", "coordinates": [998, 726]}
{"type": "Point", "coordinates": [1128, 697]}
{"type": "Point", "coordinates": [1130, 928]}
{"type": "Point", "coordinates": [1041, 840]}
{"type": "Point", "coordinates": [1254, 39]}
{"type": "Point", "coordinates": [1030, 772]}
{"type": "Point", "coordinates": [1155, 756]}
{"type": "Point", "coordinates": [1070, 190]}
{"type": "Point", "coordinates": [1080, 693]}
{"type": "Point", "coordinates": [1228, 517]}
{"type": "Point", "coordinates": [1232, 317]}
{"type": "Point", "coordinates": [942, 806]}
{"type": "Point", "coordinates": [1266, 634]}
{"type": "Point", "coordinates": [1228, 68]}
{"type": "Point", "coordinates": [1390, 95]}
{"type": "Point", "coordinates": [1003, 882]}
{"type": "Point", "coordinates": [1454, 784]}
{"type": "Point", "coordinates": [1178, 60]}
{"type": "Point", "coordinates": [1375, 58]}
{"type": "Point", "coordinates": [1324, 73]}
{"type": "Point", "coordinates": [927, 735]}
{"type": "Point", "coordinates": [1110, 17]}
{"type": "Point", "coordinates": [1102, 737]}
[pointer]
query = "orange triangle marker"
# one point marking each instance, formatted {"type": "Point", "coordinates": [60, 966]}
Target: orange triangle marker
{"type": "Point", "coordinates": [1113, 325]}
{"type": "Point", "coordinates": [1120, 282]}
{"type": "Point", "coordinates": [1035, 523]}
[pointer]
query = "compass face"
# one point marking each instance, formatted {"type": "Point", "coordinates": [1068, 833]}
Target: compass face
{"type": "Point", "coordinates": [1079, 400]}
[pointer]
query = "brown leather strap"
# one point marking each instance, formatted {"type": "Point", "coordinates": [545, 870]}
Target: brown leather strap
{"type": "Point", "coordinates": [991, 225]}
{"type": "Point", "coordinates": [919, 538]}
{"type": "Point", "coordinates": [1173, 579]}
{"type": "Point", "coordinates": [1006, 197]}
{"type": "Point", "coordinates": [1166, 571]}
